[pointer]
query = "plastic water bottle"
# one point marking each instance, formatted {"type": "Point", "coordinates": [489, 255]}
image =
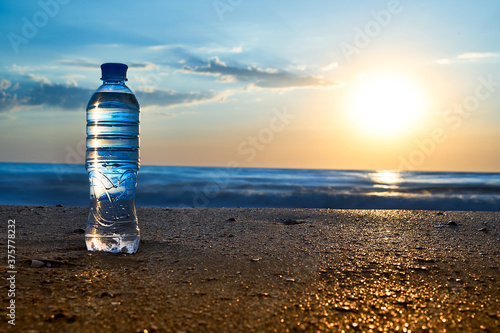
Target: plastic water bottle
{"type": "Point", "coordinates": [112, 163]}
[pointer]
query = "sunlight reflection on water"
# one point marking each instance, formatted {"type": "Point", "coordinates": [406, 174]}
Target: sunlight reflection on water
{"type": "Point", "coordinates": [388, 180]}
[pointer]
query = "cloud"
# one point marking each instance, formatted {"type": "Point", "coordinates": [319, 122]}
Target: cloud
{"type": "Point", "coordinates": [70, 97]}
{"type": "Point", "coordinates": [82, 63]}
{"type": "Point", "coordinates": [176, 55]}
{"type": "Point", "coordinates": [169, 98]}
{"type": "Point", "coordinates": [19, 69]}
{"type": "Point", "coordinates": [73, 76]}
{"type": "Point", "coordinates": [5, 84]}
{"type": "Point", "coordinates": [263, 78]}
{"type": "Point", "coordinates": [39, 78]}
{"type": "Point", "coordinates": [330, 66]}
{"type": "Point", "coordinates": [93, 64]}
{"type": "Point", "coordinates": [193, 61]}
{"type": "Point", "coordinates": [237, 49]}
{"type": "Point", "coordinates": [210, 49]}
{"type": "Point", "coordinates": [443, 61]}
{"type": "Point", "coordinates": [478, 55]}
{"type": "Point", "coordinates": [23, 69]}
{"type": "Point", "coordinates": [9, 101]}
{"type": "Point", "coordinates": [71, 83]}
{"type": "Point", "coordinates": [53, 95]}
{"type": "Point", "coordinates": [469, 57]}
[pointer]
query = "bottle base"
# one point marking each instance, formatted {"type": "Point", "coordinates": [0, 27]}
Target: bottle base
{"type": "Point", "coordinates": [113, 243]}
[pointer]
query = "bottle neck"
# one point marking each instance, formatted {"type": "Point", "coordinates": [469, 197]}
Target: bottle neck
{"type": "Point", "coordinates": [114, 81]}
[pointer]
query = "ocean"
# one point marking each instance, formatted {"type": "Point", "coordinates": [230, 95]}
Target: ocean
{"type": "Point", "coordinates": [176, 186]}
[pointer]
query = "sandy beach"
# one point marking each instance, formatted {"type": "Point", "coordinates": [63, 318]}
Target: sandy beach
{"type": "Point", "coordinates": [257, 270]}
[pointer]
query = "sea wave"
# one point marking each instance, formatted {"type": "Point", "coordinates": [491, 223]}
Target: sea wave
{"type": "Point", "coordinates": [51, 184]}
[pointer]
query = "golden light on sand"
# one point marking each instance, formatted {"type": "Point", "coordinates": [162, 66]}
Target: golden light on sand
{"type": "Point", "coordinates": [386, 104]}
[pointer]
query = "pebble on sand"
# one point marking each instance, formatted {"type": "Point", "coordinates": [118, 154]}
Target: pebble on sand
{"type": "Point", "coordinates": [37, 263]}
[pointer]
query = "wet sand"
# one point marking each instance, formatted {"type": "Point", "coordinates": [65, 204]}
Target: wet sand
{"type": "Point", "coordinates": [258, 270]}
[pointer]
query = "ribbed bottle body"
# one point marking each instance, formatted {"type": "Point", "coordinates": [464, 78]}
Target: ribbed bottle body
{"type": "Point", "coordinates": [112, 163]}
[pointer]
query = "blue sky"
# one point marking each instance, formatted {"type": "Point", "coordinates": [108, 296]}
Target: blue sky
{"type": "Point", "coordinates": [265, 84]}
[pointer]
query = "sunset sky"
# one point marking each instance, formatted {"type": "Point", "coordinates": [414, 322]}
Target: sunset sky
{"type": "Point", "coordinates": [386, 85]}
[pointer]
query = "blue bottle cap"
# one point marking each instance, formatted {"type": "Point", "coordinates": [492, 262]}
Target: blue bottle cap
{"type": "Point", "coordinates": [113, 70]}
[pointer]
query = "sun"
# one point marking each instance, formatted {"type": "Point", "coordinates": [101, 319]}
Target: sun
{"type": "Point", "coordinates": [386, 104]}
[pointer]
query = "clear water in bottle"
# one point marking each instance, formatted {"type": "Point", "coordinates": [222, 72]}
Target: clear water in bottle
{"type": "Point", "coordinates": [112, 163]}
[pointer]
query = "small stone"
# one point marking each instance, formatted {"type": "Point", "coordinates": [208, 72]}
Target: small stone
{"type": "Point", "coordinates": [452, 223]}
{"type": "Point", "coordinates": [106, 294]}
{"type": "Point", "coordinates": [57, 316]}
{"type": "Point", "coordinates": [290, 280]}
{"type": "Point", "coordinates": [231, 219]}
{"type": "Point", "coordinates": [342, 308]}
{"type": "Point", "coordinates": [292, 222]}
{"type": "Point", "coordinates": [37, 263]}
{"type": "Point", "coordinates": [483, 229]}
{"type": "Point", "coordinates": [59, 205]}
{"type": "Point", "coordinates": [79, 231]}
{"type": "Point", "coordinates": [255, 259]}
